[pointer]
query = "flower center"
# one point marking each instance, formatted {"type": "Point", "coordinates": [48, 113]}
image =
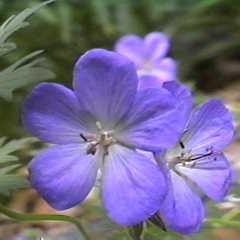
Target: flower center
{"type": "Point", "coordinates": [102, 139]}
{"type": "Point", "coordinates": [147, 66]}
{"type": "Point", "coordinates": [187, 157]}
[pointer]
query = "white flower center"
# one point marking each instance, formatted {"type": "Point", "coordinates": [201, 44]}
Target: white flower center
{"type": "Point", "coordinates": [147, 65]}
{"type": "Point", "coordinates": [186, 157]}
{"type": "Point", "coordinates": [102, 139]}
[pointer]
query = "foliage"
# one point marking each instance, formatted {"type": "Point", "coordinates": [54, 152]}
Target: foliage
{"type": "Point", "coordinates": [9, 162]}
{"type": "Point", "coordinates": [205, 36]}
{"type": "Point", "coordinates": [20, 73]}
{"type": "Point", "coordinates": [24, 71]}
{"type": "Point", "coordinates": [204, 32]}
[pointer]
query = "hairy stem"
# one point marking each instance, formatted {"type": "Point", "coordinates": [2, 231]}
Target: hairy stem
{"type": "Point", "coordinates": [21, 217]}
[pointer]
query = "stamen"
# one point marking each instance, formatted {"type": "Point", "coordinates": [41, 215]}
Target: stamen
{"type": "Point", "coordinates": [181, 145]}
{"type": "Point", "coordinates": [83, 137]}
{"type": "Point", "coordinates": [99, 126]}
{"type": "Point", "coordinates": [102, 138]}
{"type": "Point", "coordinates": [202, 156]}
{"type": "Point", "coordinates": [186, 157]}
{"type": "Point", "coordinates": [92, 148]}
{"type": "Point", "coordinates": [91, 151]}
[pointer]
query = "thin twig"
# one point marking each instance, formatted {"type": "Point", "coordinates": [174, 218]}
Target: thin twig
{"type": "Point", "coordinates": [21, 217]}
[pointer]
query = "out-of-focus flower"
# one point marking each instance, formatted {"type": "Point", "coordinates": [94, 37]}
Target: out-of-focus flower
{"type": "Point", "coordinates": [197, 166]}
{"type": "Point", "coordinates": [149, 54]}
{"type": "Point", "coordinates": [101, 124]}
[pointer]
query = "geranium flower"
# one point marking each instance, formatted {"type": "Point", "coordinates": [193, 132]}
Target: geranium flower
{"type": "Point", "coordinates": [150, 57]}
{"type": "Point", "coordinates": [100, 126]}
{"type": "Point", "coordinates": [196, 166]}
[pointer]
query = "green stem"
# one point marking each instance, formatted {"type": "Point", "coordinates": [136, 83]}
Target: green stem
{"type": "Point", "coordinates": [43, 217]}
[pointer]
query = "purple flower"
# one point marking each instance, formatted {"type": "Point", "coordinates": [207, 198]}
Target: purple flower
{"type": "Point", "coordinates": [150, 57]}
{"type": "Point", "coordinates": [196, 166]}
{"type": "Point", "coordinates": [100, 126]}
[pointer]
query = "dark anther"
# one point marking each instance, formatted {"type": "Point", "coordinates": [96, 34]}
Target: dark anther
{"type": "Point", "coordinates": [202, 156]}
{"type": "Point", "coordinates": [91, 149]}
{"type": "Point", "coordinates": [181, 144]}
{"type": "Point", "coordinates": [83, 137]}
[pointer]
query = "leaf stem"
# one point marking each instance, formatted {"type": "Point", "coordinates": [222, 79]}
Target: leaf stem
{"type": "Point", "coordinates": [21, 217]}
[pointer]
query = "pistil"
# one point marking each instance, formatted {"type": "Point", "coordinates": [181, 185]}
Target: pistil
{"type": "Point", "coordinates": [103, 138]}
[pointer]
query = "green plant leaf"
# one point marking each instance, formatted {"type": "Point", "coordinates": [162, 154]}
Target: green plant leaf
{"type": "Point", "coordinates": [27, 70]}
{"type": "Point", "coordinates": [22, 73]}
{"type": "Point", "coordinates": [7, 149]}
{"type": "Point", "coordinates": [14, 23]}
{"type": "Point", "coordinates": [21, 77]}
{"type": "Point", "coordinates": [10, 180]}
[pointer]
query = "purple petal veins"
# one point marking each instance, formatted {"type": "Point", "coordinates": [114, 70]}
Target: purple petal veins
{"type": "Point", "coordinates": [52, 113]}
{"type": "Point", "coordinates": [183, 210]}
{"type": "Point", "coordinates": [100, 126]}
{"type": "Point", "coordinates": [64, 175]}
{"type": "Point", "coordinates": [197, 165]}
{"type": "Point", "coordinates": [130, 180]}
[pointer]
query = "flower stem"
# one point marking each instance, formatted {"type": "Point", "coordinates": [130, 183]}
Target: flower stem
{"type": "Point", "coordinates": [43, 217]}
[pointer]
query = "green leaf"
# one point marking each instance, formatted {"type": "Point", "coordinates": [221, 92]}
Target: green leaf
{"type": "Point", "coordinates": [102, 15]}
{"type": "Point", "coordinates": [66, 19]}
{"type": "Point", "coordinates": [22, 73]}
{"type": "Point", "coordinates": [10, 180]}
{"type": "Point", "coordinates": [14, 23]}
{"type": "Point", "coordinates": [7, 149]}
{"type": "Point", "coordinates": [6, 48]}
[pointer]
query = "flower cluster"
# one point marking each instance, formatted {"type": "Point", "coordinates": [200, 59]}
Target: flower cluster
{"type": "Point", "coordinates": [130, 120]}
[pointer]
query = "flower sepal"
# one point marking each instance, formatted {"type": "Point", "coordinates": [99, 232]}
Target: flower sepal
{"type": "Point", "coordinates": [157, 221]}
{"type": "Point", "coordinates": [136, 231]}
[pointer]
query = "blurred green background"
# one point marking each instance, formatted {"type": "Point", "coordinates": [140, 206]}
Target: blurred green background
{"type": "Point", "coordinates": [205, 38]}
